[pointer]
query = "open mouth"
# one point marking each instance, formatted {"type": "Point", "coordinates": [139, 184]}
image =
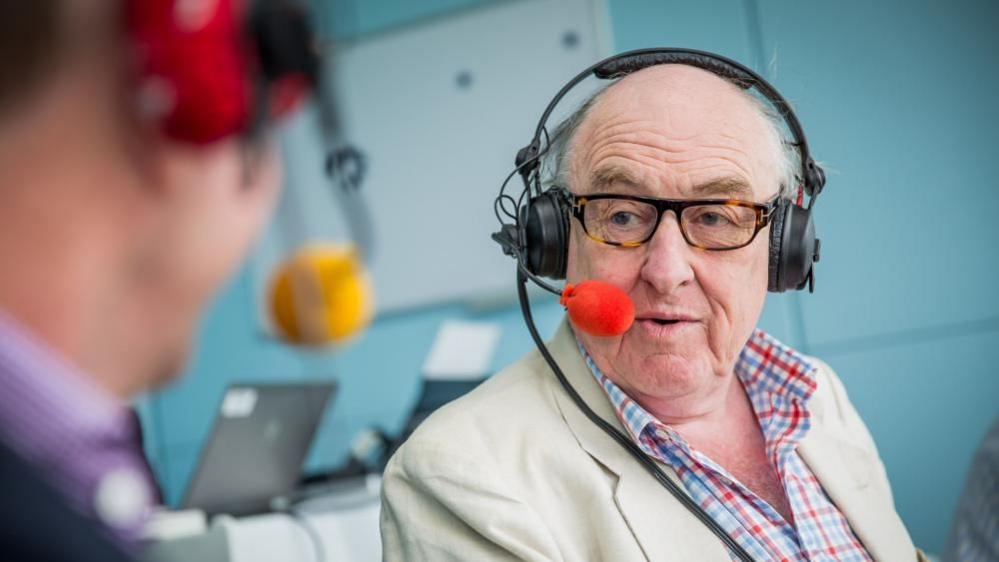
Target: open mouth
{"type": "Point", "coordinates": [659, 325]}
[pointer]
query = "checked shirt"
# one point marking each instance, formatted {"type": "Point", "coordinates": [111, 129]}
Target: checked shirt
{"type": "Point", "coordinates": [779, 382]}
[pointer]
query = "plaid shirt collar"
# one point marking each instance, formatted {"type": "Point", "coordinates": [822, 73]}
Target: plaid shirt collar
{"type": "Point", "coordinates": [778, 380]}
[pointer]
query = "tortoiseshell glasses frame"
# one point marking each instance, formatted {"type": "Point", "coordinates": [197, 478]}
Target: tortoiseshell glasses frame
{"type": "Point", "coordinates": [709, 224]}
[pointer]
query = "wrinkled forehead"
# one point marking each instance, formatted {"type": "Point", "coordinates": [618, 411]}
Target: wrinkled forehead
{"type": "Point", "coordinates": [673, 129]}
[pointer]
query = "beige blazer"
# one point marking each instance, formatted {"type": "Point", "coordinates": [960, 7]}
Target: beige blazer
{"type": "Point", "coordinates": [514, 470]}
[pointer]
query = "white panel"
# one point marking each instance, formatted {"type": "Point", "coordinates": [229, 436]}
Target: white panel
{"type": "Point", "coordinates": [436, 151]}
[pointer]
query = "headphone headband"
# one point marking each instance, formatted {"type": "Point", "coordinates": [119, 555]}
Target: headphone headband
{"type": "Point", "coordinates": [620, 65]}
{"type": "Point", "coordinates": [538, 239]}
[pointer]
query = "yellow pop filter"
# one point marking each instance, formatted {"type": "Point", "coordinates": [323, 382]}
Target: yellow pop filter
{"type": "Point", "coordinates": [321, 295]}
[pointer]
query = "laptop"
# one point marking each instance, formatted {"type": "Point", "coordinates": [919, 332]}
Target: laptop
{"type": "Point", "coordinates": [256, 448]}
{"type": "Point", "coordinates": [436, 393]}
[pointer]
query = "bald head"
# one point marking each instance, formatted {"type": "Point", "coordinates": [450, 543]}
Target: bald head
{"type": "Point", "coordinates": [666, 116]}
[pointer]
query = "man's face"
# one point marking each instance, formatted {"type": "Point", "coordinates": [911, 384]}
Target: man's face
{"type": "Point", "coordinates": [674, 132]}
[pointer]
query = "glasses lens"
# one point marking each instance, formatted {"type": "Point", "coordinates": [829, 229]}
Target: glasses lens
{"type": "Point", "coordinates": [619, 220]}
{"type": "Point", "coordinates": [719, 227]}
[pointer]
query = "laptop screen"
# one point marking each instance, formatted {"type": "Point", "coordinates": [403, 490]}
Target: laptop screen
{"type": "Point", "coordinates": [255, 451]}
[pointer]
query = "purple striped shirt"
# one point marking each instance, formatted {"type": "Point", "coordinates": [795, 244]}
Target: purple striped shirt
{"type": "Point", "coordinates": [81, 438]}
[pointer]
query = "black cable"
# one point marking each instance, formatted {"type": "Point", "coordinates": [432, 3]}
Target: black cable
{"type": "Point", "coordinates": [649, 464]}
{"type": "Point", "coordinates": [503, 197]}
{"type": "Point", "coordinates": [500, 205]}
{"type": "Point", "coordinates": [498, 202]}
{"type": "Point", "coordinates": [537, 281]}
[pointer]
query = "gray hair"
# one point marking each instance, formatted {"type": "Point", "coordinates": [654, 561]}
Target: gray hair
{"type": "Point", "coordinates": [787, 158]}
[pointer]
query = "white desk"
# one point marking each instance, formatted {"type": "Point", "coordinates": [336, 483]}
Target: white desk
{"type": "Point", "coordinates": [345, 519]}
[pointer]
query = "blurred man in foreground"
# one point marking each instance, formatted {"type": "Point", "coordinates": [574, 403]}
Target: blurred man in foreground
{"type": "Point", "coordinates": [119, 219]}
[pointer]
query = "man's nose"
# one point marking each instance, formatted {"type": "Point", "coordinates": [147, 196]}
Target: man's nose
{"type": "Point", "coordinates": [667, 260]}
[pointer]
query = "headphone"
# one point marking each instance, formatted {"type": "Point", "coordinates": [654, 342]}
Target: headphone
{"type": "Point", "coordinates": [539, 236]}
{"type": "Point", "coordinates": [207, 70]}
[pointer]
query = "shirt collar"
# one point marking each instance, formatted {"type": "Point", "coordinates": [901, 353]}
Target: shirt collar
{"type": "Point", "coordinates": [778, 380]}
{"type": "Point", "coordinates": [37, 381]}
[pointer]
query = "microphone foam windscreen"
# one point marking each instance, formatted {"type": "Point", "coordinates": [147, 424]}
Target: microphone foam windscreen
{"type": "Point", "coordinates": [321, 295]}
{"type": "Point", "coordinates": [598, 308]}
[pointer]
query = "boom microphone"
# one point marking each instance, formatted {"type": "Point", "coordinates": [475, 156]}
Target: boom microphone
{"type": "Point", "coordinates": [598, 308]}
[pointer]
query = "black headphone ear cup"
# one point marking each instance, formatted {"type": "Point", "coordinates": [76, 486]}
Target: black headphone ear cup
{"type": "Point", "coordinates": [776, 242]}
{"type": "Point", "coordinates": [545, 223]}
{"type": "Point", "coordinates": [793, 248]}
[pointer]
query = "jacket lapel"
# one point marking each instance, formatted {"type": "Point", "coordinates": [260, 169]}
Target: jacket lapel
{"type": "Point", "coordinates": [848, 475]}
{"type": "Point", "coordinates": [663, 528]}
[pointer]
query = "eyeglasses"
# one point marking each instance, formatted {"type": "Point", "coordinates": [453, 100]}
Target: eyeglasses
{"type": "Point", "coordinates": [709, 224]}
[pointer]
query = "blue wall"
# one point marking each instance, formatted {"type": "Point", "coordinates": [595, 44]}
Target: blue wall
{"type": "Point", "coordinates": [896, 101]}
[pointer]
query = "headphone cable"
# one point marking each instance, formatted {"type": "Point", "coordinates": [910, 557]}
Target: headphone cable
{"type": "Point", "coordinates": [649, 464]}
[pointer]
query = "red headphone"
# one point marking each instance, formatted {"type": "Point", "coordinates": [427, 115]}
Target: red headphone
{"type": "Point", "coordinates": [210, 69]}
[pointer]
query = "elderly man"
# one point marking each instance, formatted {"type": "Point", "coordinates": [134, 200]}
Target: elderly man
{"type": "Point", "coordinates": [763, 438]}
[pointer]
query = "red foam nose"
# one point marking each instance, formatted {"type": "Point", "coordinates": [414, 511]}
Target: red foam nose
{"type": "Point", "coordinates": [598, 308]}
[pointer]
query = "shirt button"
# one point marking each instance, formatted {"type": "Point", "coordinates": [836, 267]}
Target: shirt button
{"type": "Point", "coordinates": [122, 498]}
